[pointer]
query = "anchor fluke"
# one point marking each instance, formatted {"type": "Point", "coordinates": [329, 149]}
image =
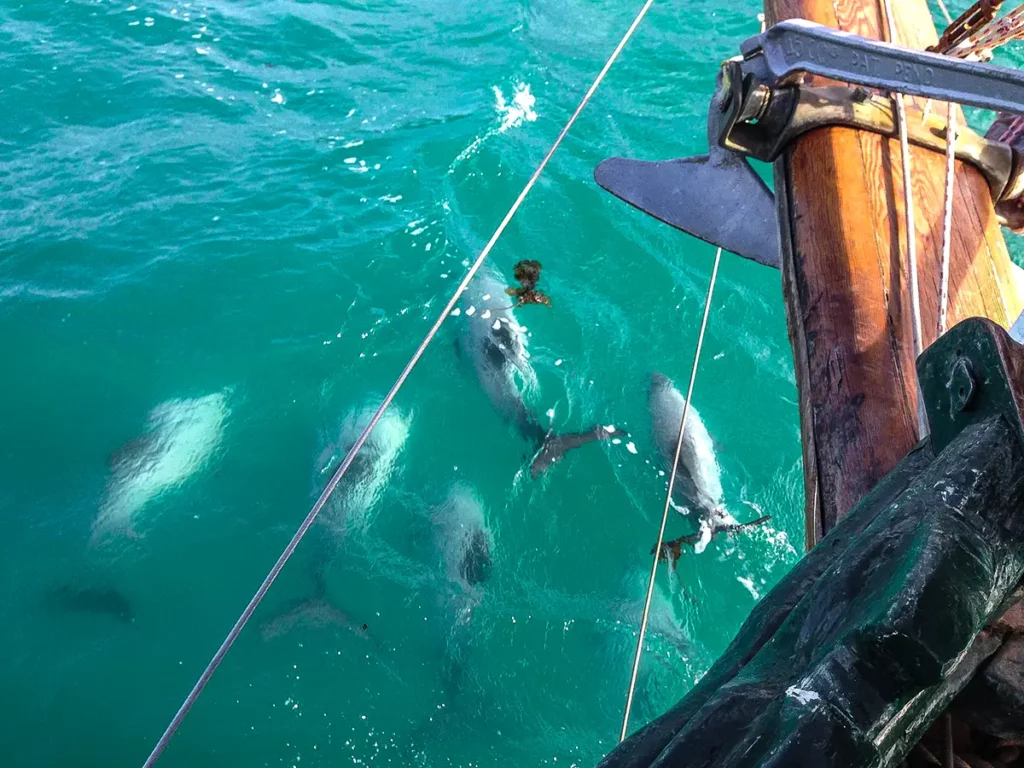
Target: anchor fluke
{"type": "Point", "coordinates": [717, 198]}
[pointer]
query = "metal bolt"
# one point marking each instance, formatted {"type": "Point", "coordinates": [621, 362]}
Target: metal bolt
{"type": "Point", "coordinates": [962, 385]}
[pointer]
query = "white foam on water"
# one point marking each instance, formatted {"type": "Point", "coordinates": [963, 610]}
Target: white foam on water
{"type": "Point", "coordinates": [749, 584]}
{"type": "Point", "coordinates": [705, 534]}
{"type": "Point", "coordinates": [558, 362]}
{"type": "Point", "coordinates": [497, 325]}
{"type": "Point", "coordinates": [202, 51]}
{"type": "Point", "coordinates": [277, 98]}
{"type": "Point", "coordinates": [551, 413]}
{"type": "Point", "coordinates": [512, 114]}
{"type": "Point", "coordinates": [617, 441]}
{"type": "Point", "coordinates": [520, 109]}
{"type": "Point", "coordinates": [631, 447]}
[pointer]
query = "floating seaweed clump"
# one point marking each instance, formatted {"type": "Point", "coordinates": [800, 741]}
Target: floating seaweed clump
{"type": "Point", "coordinates": [527, 272]}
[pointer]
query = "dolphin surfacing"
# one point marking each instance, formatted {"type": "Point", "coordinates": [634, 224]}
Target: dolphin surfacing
{"type": "Point", "coordinates": [496, 346]}
{"type": "Point", "coordinates": [698, 477]}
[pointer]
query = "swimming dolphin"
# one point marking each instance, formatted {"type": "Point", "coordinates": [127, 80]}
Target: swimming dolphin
{"type": "Point", "coordinates": [347, 511]}
{"type": "Point", "coordinates": [464, 544]}
{"type": "Point", "coordinates": [698, 476]}
{"type": "Point", "coordinates": [371, 469]}
{"type": "Point", "coordinates": [496, 346]}
{"type": "Point", "coordinates": [181, 437]}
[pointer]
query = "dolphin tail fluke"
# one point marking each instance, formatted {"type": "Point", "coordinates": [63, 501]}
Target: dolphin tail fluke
{"type": "Point", "coordinates": [672, 550]}
{"type": "Point", "coordinates": [733, 527]}
{"type": "Point", "coordinates": [556, 446]}
{"type": "Point", "coordinates": [315, 612]}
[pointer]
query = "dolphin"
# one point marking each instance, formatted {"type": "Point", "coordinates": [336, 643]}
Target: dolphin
{"type": "Point", "coordinates": [464, 545]}
{"type": "Point", "coordinates": [371, 469]}
{"type": "Point", "coordinates": [347, 511]}
{"type": "Point", "coordinates": [698, 477]}
{"type": "Point", "coordinates": [496, 346]}
{"type": "Point", "coordinates": [181, 437]}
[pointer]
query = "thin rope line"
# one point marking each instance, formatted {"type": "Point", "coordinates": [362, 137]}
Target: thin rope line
{"type": "Point", "coordinates": [668, 501]}
{"type": "Point", "coordinates": [908, 210]}
{"type": "Point", "coordinates": [928, 104]}
{"type": "Point", "coordinates": [947, 215]}
{"type": "Point", "coordinates": [320, 502]}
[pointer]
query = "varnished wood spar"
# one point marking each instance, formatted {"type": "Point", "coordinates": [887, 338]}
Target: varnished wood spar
{"type": "Point", "coordinates": [845, 276]}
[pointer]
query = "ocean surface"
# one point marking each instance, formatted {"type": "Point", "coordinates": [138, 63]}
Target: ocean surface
{"type": "Point", "coordinates": [224, 228]}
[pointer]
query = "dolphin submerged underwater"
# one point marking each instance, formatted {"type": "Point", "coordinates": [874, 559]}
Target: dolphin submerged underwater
{"type": "Point", "coordinates": [180, 439]}
{"type": "Point", "coordinates": [348, 511]}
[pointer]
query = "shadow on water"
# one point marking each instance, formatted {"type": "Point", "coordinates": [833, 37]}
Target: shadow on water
{"type": "Point", "coordinates": [103, 601]}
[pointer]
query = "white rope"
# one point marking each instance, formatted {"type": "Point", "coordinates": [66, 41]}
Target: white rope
{"type": "Point", "coordinates": [668, 501]}
{"type": "Point", "coordinates": [336, 478]}
{"type": "Point", "coordinates": [947, 216]}
{"type": "Point", "coordinates": [908, 209]}
{"type": "Point", "coordinates": [928, 104]}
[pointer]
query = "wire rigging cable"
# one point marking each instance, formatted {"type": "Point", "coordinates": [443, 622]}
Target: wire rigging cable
{"type": "Point", "coordinates": [668, 501]}
{"type": "Point", "coordinates": [908, 210]}
{"type": "Point", "coordinates": [243, 619]}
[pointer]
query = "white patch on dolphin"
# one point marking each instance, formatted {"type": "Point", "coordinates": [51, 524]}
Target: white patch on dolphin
{"type": "Point", "coordinates": [370, 471]}
{"type": "Point", "coordinates": [180, 439]}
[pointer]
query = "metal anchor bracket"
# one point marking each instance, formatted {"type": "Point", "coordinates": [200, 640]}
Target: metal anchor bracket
{"type": "Point", "coordinates": [760, 106]}
{"type": "Point", "coordinates": [782, 53]}
{"type": "Point", "coordinates": [760, 121]}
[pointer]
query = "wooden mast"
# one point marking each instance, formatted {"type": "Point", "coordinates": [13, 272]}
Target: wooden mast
{"type": "Point", "coordinates": [845, 276]}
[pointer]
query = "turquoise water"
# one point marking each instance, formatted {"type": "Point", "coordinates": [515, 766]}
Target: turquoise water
{"type": "Point", "coordinates": [224, 227]}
